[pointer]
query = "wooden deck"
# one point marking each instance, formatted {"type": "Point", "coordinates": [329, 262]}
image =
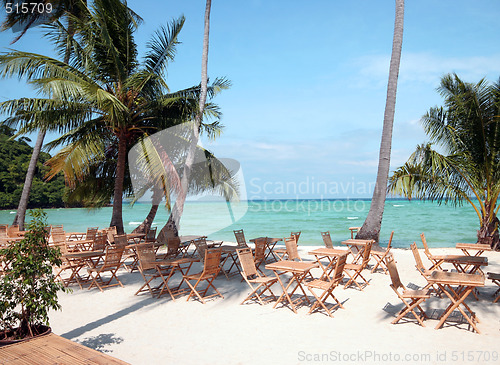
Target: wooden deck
{"type": "Point", "coordinates": [53, 349]}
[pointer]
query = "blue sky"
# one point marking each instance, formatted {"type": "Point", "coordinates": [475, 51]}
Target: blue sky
{"type": "Point", "coordinates": [305, 110]}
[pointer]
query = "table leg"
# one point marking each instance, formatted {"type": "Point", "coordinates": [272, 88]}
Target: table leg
{"type": "Point", "coordinates": [285, 292]}
{"type": "Point", "coordinates": [460, 297]}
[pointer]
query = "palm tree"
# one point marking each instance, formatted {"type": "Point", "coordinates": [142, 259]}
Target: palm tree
{"type": "Point", "coordinates": [373, 222]}
{"type": "Point", "coordinates": [467, 169]}
{"type": "Point", "coordinates": [171, 228]}
{"type": "Point", "coordinates": [23, 21]}
{"type": "Point", "coordinates": [102, 100]}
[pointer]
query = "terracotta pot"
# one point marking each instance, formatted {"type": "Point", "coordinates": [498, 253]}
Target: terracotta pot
{"type": "Point", "coordinates": [43, 330]}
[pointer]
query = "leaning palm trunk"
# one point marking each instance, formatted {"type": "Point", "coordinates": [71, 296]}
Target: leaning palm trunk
{"type": "Point", "coordinates": [116, 217]}
{"type": "Point", "coordinates": [373, 222]}
{"type": "Point", "coordinates": [172, 225]}
{"type": "Point", "coordinates": [145, 226]}
{"type": "Point", "coordinates": [30, 174]}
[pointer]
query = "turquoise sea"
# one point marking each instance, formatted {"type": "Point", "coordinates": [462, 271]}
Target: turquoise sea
{"type": "Point", "coordinates": [443, 225]}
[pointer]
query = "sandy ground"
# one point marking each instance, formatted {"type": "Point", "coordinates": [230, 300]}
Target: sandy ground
{"type": "Point", "coordinates": [143, 330]}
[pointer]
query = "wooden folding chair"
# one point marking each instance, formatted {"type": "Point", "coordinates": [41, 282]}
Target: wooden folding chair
{"type": "Point", "coordinates": [495, 278]}
{"type": "Point", "coordinates": [423, 271]}
{"type": "Point", "coordinates": [240, 238]}
{"type": "Point", "coordinates": [151, 235]}
{"type": "Point", "coordinates": [381, 255]}
{"type": "Point", "coordinates": [111, 264]}
{"type": "Point", "coordinates": [211, 268]}
{"type": "Point", "coordinates": [73, 266]}
{"type": "Point", "coordinates": [436, 260]}
{"type": "Point", "coordinates": [260, 252]}
{"type": "Point", "coordinates": [327, 239]}
{"type": "Point", "coordinates": [358, 268]}
{"type": "Point", "coordinates": [3, 230]}
{"type": "Point", "coordinates": [91, 232]}
{"type": "Point", "coordinates": [282, 252]}
{"type": "Point", "coordinates": [327, 287]}
{"type": "Point", "coordinates": [416, 297]}
{"type": "Point", "coordinates": [150, 269]}
{"type": "Point", "coordinates": [252, 276]}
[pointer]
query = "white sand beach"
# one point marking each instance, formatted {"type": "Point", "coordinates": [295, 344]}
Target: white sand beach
{"type": "Point", "coordinates": [145, 330]}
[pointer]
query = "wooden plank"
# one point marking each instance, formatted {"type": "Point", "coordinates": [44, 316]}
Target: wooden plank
{"type": "Point", "coordinates": [53, 349]}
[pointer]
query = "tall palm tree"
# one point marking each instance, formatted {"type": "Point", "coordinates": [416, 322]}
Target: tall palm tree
{"type": "Point", "coordinates": [60, 11]}
{"type": "Point", "coordinates": [373, 222]}
{"type": "Point", "coordinates": [172, 225]}
{"type": "Point", "coordinates": [467, 169]}
{"type": "Point", "coordinates": [103, 100]}
{"type": "Point", "coordinates": [24, 21]}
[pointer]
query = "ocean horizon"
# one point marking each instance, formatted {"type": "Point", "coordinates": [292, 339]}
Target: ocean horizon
{"type": "Point", "coordinates": [443, 225]}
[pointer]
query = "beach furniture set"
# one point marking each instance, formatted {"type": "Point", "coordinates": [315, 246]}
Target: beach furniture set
{"type": "Point", "coordinates": [451, 277]}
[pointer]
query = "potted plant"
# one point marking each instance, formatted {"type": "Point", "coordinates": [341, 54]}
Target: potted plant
{"type": "Point", "coordinates": [28, 289]}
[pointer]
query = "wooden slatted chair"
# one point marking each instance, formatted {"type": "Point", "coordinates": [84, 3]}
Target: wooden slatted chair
{"type": "Point", "coordinates": [416, 297]}
{"type": "Point", "coordinates": [423, 271]}
{"type": "Point", "coordinates": [282, 252]}
{"type": "Point", "coordinates": [437, 260]}
{"type": "Point", "coordinates": [73, 266]}
{"type": "Point", "coordinates": [3, 230]}
{"type": "Point", "coordinates": [495, 278]}
{"type": "Point", "coordinates": [356, 269]}
{"type": "Point", "coordinates": [91, 232]}
{"type": "Point", "coordinates": [380, 254]}
{"type": "Point", "coordinates": [111, 232]}
{"type": "Point", "coordinates": [327, 286]}
{"type": "Point", "coordinates": [260, 252]}
{"type": "Point", "coordinates": [240, 238]}
{"type": "Point", "coordinates": [150, 269]}
{"type": "Point", "coordinates": [252, 276]}
{"type": "Point", "coordinates": [327, 239]}
{"type": "Point", "coordinates": [201, 247]}
{"type": "Point", "coordinates": [13, 230]}
{"type": "Point", "coordinates": [151, 235]}
{"type": "Point", "coordinates": [112, 263]}
{"type": "Point", "coordinates": [211, 268]}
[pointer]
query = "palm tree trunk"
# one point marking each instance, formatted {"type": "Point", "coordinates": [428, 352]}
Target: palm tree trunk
{"type": "Point", "coordinates": [116, 217]}
{"type": "Point", "coordinates": [488, 232]}
{"type": "Point", "coordinates": [146, 225]}
{"type": "Point", "coordinates": [172, 226]}
{"type": "Point", "coordinates": [30, 174]}
{"type": "Point", "coordinates": [373, 222]}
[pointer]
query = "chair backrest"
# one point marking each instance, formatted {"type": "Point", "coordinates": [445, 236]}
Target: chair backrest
{"type": "Point", "coordinates": [120, 240]}
{"type": "Point", "coordinates": [113, 256]}
{"type": "Point", "coordinates": [58, 237]}
{"type": "Point", "coordinates": [327, 240]}
{"type": "Point", "coordinates": [296, 235]}
{"type": "Point", "coordinates": [260, 249]}
{"type": "Point", "coordinates": [339, 267]}
{"type": "Point", "coordinates": [248, 268]}
{"type": "Point", "coordinates": [211, 264]}
{"type": "Point", "coordinates": [291, 248]}
{"type": "Point", "coordinates": [426, 248]}
{"type": "Point", "coordinates": [240, 238]}
{"type": "Point", "coordinates": [3, 230]}
{"type": "Point", "coordinates": [146, 255]}
{"type": "Point", "coordinates": [91, 232]}
{"type": "Point", "coordinates": [366, 253]}
{"type": "Point", "coordinates": [56, 228]}
{"type": "Point", "coordinates": [151, 235]}
{"type": "Point", "coordinates": [13, 230]}
{"type": "Point", "coordinates": [201, 247]}
{"type": "Point", "coordinates": [390, 241]}
{"type": "Point", "coordinates": [111, 232]}
{"type": "Point", "coordinates": [100, 241]}
{"type": "Point", "coordinates": [393, 272]}
{"type": "Point", "coordinates": [418, 259]}
{"type": "Point", "coordinates": [173, 245]}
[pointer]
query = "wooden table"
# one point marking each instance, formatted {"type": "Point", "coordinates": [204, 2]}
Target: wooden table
{"type": "Point", "coordinates": [299, 270]}
{"type": "Point", "coordinates": [356, 247]}
{"type": "Point", "coordinates": [183, 265]}
{"type": "Point", "coordinates": [480, 248]}
{"type": "Point", "coordinates": [467, 264]}
{"type": "Point", "coordinates": [270, 243]}
{"type": "Point", "coordinates": [81, 259]}
{"type": "Point", "coordinates": [331, 254]}
{"type": "Point", "coordinates": [465, 284]}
